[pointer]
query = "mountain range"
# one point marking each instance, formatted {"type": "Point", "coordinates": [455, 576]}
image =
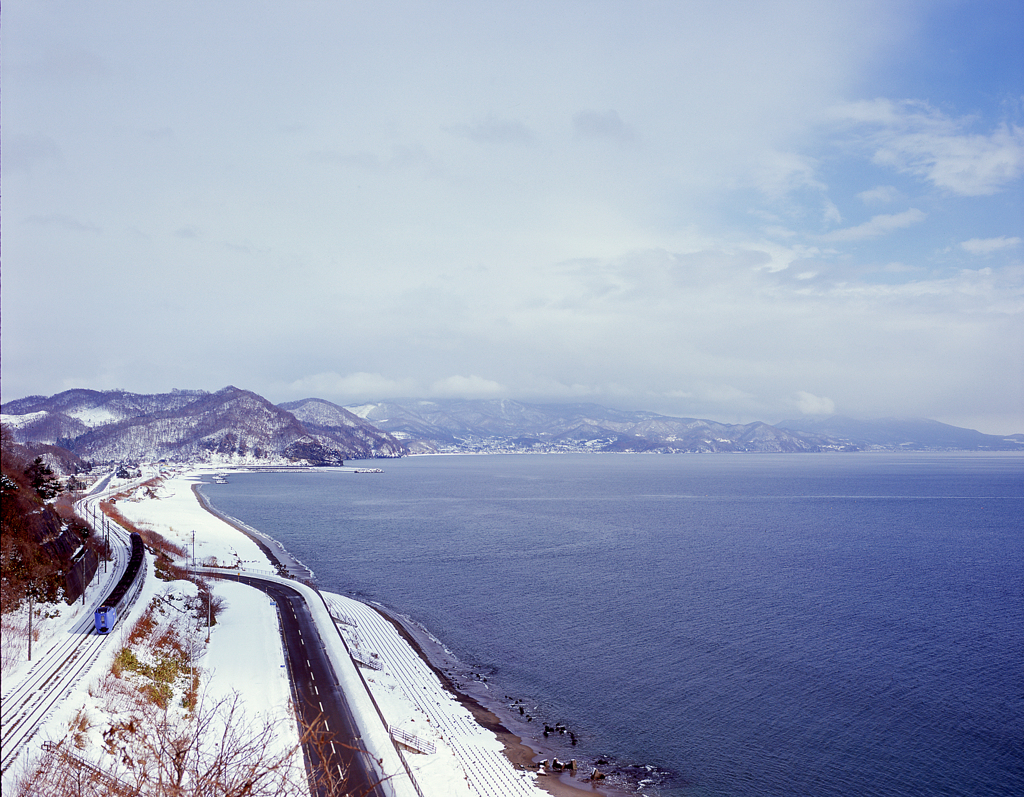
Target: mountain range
{"type": "Point", "coordinates": [234, 426]}
{"type": "Point", "coordinates": [500, 425]}
{"type": "Point", "coordinates": [230, 426]}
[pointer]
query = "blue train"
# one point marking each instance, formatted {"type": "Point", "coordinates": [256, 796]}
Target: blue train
{"type": "Point", "coordinates": [121, 597]}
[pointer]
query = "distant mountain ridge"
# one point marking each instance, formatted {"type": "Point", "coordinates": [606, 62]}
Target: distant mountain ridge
{"type": "Point", "coordinates": [902, 434]}
{"type": "Point", "coordinates": [231, 426]}
{"type": "Point", "coordinates": [502, 425]}
{"type": "Point", "coordinates": [234, 426]}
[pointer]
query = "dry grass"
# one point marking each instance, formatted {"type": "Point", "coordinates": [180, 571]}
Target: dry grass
{"type": "Point", "coordinates": [79, 727]}
{"type": "Point", "coordinates": [13, 639]}
{"type": "Point", "coordinates": [155, 658]}
{"type": "Point", "coordinates": [142, 628]}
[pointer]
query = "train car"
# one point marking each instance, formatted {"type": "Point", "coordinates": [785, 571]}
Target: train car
{"type": "Point", "coordinates": [106, 618]}
{"type": "Point", "coordinates": [123, 594]}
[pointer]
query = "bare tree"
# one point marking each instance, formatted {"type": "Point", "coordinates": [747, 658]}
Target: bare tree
{"type": "Point", "coordinates": [217, 751]}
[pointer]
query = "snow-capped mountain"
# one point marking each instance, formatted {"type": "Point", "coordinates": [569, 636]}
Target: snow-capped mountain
{"type": "Point", "coordinates": [322, 417]}
{"type": "Point", "coordinates": [902, 433]}
{"type": "Point", "coordinates": [502, 425]}
{"type": "Point", "coordinates": [237, 426]}
{"type": "Point", "coordinates": [229, 426]}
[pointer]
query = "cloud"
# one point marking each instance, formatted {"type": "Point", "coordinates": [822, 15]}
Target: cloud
{"type": "Point", "coordinates": [399, 158]}
{"type": "Point", "coordinates": [62, 221]}
{"type": "Point", "coordinates": [809, 404]}
{"type": "Point", "coordinates": [879, 195]}
{"type": "Point", "coordinates": [68, 64]}
{"type": "Point", "coordinates": [494, 130]}
{"type": "Point", "coordinates": [23, 152]}
{"type": "Point", "coordinates": [467, 386]}
{"type": "Point", "coordinates": [986, 246]}
{"type": "Point", "coordinates": [778, 173]}
{"type": "Point", "coordinates": [878, 225]}
{"type": "Point", "coordinates": [914, 138]}
{"type": "Point", "coordinates": [602, 125]}
{"type": "Point", "coordinates": [360, 385]}
{"type": "Point", "coordinates": [363, 385]}
{"type": "Point", "coordinates": [617, 208]}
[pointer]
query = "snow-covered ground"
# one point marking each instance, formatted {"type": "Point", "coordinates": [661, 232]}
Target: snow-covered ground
{"type": "Point", "coordinates": [172, 510]}
{"type": "Point", "coordinates": [444, 748]}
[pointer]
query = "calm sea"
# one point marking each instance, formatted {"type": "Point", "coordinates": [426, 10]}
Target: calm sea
{"type": "Point", "coordinates": [742, 625]}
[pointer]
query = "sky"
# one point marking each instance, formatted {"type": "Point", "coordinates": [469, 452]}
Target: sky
{"type": "Point", "coordinates": [728, 210]}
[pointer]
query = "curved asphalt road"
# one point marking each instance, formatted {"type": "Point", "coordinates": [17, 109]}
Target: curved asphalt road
{"type": "Point", "coordinates": [318, 697]}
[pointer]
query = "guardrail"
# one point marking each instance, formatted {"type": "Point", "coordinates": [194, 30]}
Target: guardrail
{"type": "Point", "coordinates": [58, 749]}
{"type": "Point", "coordinates": [415, 742]}
{"type": "Point", "coordinates": [367, 661]}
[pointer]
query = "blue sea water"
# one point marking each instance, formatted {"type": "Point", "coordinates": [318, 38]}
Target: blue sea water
{"type": "Point", "coordinates": [741, 625]}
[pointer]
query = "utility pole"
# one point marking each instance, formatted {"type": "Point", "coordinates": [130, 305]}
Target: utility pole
{"type": "Point", "coordinates": [30, 625]}
{"type": "Point", "coordinates": [192, 641]}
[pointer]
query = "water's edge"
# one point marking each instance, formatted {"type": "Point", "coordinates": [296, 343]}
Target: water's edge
{"type": "Point", "coordinates": [520, 748]}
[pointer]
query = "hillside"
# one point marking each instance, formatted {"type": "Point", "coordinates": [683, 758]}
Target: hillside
{"type": "Point", "coordinates": [45, 547]}
{"type": "Point", "coordinates": [321, 417]}
{"type": "Point", "coordinates": [231, 426]}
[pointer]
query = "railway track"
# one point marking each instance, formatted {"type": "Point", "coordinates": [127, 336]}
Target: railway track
{"type": "Point", "coordinates": [28, 702]}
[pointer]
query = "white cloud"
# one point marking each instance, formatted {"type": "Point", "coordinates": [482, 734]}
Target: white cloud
{"type": "Point", "coordinates": [879, 195]}
{"type": "Point", "coordinates": [809, 404]}
{"type": "Point", "coordinates": [63, 221]}
{"type": "Point", "coordinates": [986, 246]}
{"type": "Point", "coordinates": [423, 212]}
{"type": "Point", "coordinates": [467, 386]}
{"type": "Point", "coordinates": [23, 152]}
{"type": "Point", "coordinates": [494, 130]}
{"type": "Point", "coordinates": [361, 384]}
{"type": "Point", "coordinates": [831, 214]}
{"type": "Point", "coordinates": [914, 138]}
{"type": "Point", "coordinates": [602, 125]}
{"type": "Point", "coordinates": [778, 173]}
{"type": "Point", "coordinates": [882, 224]}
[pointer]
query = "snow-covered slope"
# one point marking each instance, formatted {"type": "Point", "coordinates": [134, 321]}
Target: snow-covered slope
{"type": "Point", "coordinates": [229, 426]}
{"type": "Point", "coordinates": [504, 425]}
{"type": "Point", "coordinates": [329, 420]}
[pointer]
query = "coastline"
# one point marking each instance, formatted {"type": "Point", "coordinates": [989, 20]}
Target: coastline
{"type": "Point", "coordinates": [524, 754]}
{"type": "Point", "coordinates": [292, 568]}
